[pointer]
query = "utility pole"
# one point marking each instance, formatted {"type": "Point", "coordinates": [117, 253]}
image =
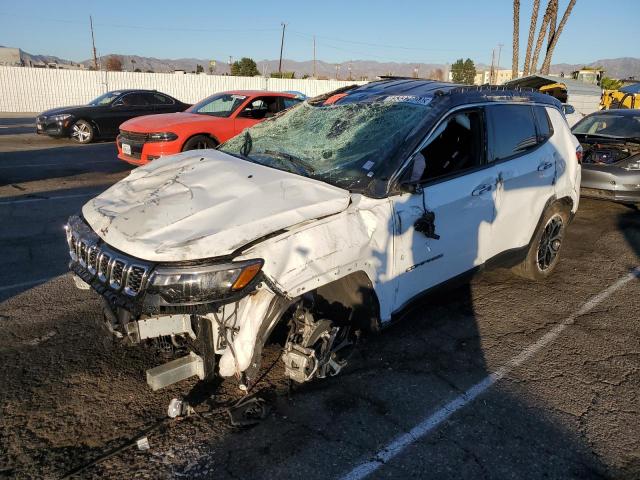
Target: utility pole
{"type": "Point", "coordinates": [93, 42]}
{"type": "Point", "coordinates": [498, 66]}
{"type": "Point", "coordinates": [350, 78]}
{"type": "Point", "coordinates": [284, 25]}
{"type": "Point", "coordinates": [314, 57]}
{"type": "Point", "coordinates": [493, 57]}
{"type": "Point", "coordinates": [337, 68]}
{"type": "Point", "coordinates": [230, 63]}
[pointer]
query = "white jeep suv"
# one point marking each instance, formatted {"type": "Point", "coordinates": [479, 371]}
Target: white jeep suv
{"type": "Point", "coordinates": [330, 218]}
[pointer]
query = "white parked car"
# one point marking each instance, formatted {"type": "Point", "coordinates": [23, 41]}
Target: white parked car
{"type": "Point", "coordinates": [330, 218]}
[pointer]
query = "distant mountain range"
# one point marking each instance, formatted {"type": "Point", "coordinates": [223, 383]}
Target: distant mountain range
{"type": "Point", "coordinates": [615, 67]}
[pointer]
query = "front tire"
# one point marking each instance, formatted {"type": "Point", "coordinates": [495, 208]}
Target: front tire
{"type": "Point", "coordinates": [82, 132]}
{"type": "Point", "coordinates": [199, 142]}
{"type": "Point", "coordinates": [544, 251]}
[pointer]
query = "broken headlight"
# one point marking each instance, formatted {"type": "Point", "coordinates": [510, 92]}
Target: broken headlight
{"type": "Point", "coordinates": [192, 285]}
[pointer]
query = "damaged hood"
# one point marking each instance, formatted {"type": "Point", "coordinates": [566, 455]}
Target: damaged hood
{"type": "Point", "coordinates": [203, 204]}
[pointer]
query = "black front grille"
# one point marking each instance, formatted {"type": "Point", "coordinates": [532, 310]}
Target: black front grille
{"type": "Point", "coordinates": [134, 279]}
{"type": "Point", "coordinates": [117, 272]}
{"type": "Point", "coordinates": [133, 136]}
{"type": "Point", "coordinates": [103, 267]}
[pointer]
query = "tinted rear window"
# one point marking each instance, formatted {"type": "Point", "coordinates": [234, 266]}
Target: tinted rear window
{"type": "Point", "coordinates": [545, 129]}
{"type": "Point", "coordinates": [512, 130]}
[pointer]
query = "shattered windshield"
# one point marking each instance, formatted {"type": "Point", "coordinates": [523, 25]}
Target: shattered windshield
{"type": "Point", "coordinates": [346, 145]}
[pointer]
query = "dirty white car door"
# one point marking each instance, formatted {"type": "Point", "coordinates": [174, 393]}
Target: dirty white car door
{"type": "Point", "coordinates": [525, 163]}
{"type": "Point", "coordinates": [456, 197]}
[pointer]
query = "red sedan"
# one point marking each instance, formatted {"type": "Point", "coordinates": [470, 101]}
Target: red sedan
{"type": "Point", "coordinates": [206, 124]}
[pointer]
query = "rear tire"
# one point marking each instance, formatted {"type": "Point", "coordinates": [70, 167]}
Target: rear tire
{"type": "Point", "coordinates": [199, 142]}
{"type": "Point", "coordinates": [544, 251]}
{"type": "Point", "coordinates": [82, 132]}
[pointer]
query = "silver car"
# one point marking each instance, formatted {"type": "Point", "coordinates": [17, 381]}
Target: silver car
{"type": "Point", "coordinates": [611, 155]}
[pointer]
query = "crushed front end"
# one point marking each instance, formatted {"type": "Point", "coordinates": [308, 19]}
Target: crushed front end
{"type": "Point", "coordinates": [191, 309]}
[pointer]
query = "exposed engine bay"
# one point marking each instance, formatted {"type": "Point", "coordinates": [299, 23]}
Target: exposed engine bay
{"type": "Point", "coordinates": [607, 153]}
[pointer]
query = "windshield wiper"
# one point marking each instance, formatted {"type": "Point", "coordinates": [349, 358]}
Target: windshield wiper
{"type": "Point", "coordinates": [247, 145]}
{"type": "Point", "coordinates": [302, 166]}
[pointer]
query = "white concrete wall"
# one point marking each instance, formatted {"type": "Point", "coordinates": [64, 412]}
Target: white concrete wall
{"type": "Point", "coordinates": [25, 89]}
{"type": "Point", "coordinates": [584, 104]}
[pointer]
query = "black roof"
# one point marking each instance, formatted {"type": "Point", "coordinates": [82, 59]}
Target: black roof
{"type": "Point", "coordinates": [130, 90]}
{"type": "Point", "coordinates": [454, 94]}
{"type": "Point", "coordinates": [625, 112]}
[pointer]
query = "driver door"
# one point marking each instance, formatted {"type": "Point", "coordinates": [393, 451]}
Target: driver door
{"type": "Point", "coordinates": [255, 111]}
{"type": "Point", "coordinates": [443, 230]}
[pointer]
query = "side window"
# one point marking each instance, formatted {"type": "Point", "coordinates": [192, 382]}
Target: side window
{"type": "Point", "coordinates": [512, 130]}
{"type": "Point", "coordinates": [456, 145]}
{"type": "Point", "coordinates": [262, 107]}
{"type": "Point", "coordinates": [543, 123]}
{"type": "Point", "coordinates": [157, 99]}
{"type": "Point", "coordinates": [290, 102]}
{"type": "Point", "coordinates": [134, 100]}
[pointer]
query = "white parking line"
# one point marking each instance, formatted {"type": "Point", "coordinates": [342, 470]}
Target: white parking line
{"type": "Point", "coordinates": [58, 197]}
{"type": "Point", "coordinates": [24, 284]}
{"type": "Point", "coordinates": [430, 423]}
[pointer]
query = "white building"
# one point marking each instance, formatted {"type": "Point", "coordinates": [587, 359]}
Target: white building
{"type": "Point", "coordinates": [11, 57]}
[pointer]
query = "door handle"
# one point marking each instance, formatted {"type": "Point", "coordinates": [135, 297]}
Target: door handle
{"type": "Point", "coordinates": [545, 166]}
{"type": "Point", "coordinates": [481, 189]}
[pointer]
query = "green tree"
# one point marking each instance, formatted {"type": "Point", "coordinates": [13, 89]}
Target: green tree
{"type": "Point", "coordinates": [610, 83]}
{"type": "Point", "coordinates": [245, 67]}
{"type": "Point", "coordinates": [469, 72]}
{"type": "Point", "coordinates": [457, 71]}
{"type": "Point", "coordinates": [463, 71]}
{"type": "Point", "coordinates": [283, 75]}
{"type": "Point", "coordinates": [199, 69]}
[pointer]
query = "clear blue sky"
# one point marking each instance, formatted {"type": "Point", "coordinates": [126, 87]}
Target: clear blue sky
{"type": "Point", "coordinates": [419, 31]}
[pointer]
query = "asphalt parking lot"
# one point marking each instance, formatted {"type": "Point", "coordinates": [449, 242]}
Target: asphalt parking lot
{"type": "Point", "coordinates": [498, 379]}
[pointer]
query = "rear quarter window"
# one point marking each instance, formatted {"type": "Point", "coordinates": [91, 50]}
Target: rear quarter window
{"type": "Point", "coordinates": [512, 130]}
{"type": "Point", "coordinates": [543, 123]}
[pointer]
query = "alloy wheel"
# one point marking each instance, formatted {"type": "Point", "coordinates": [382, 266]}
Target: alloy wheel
{"type": "Point", "coordinates": [550, 243]}
{"type": "Point", "coordinates": [81, 132]}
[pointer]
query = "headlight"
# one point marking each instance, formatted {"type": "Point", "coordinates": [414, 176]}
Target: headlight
{"type": "Point", "coordinates": [191, 285]}
{"type": "Point", "coordinates": [162, 137]}
{"type": "Point", "coordinates": [60, 118]}
{"type": "Point", "coordinates": [635, 165]}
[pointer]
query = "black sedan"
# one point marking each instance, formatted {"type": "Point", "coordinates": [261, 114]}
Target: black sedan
{"type": "Point", "coordinates": [101, 117]}
{"type": "Point", "coordinates": [611, 155]}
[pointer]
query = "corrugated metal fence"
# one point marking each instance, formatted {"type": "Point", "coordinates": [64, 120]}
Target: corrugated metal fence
{"type": "Point", "coordinates": [25, 89]}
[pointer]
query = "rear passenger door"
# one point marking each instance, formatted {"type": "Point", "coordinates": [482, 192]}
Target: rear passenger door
{"type": "Point", "coordinates": [525, 166]}
{"type": "Point", "coordinates": [160, 103]}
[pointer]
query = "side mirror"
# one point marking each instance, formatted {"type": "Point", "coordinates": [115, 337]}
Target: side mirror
{"type": "Point", "coordinates": [410, 187]}
{"type": "Point", "coordinates": [568, 109]}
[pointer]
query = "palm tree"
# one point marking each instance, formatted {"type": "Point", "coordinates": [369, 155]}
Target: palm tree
{"type": "Point", "coordinates": [516, 38]}
{"type": "Point", "coordinates": [543, 33]}
{"type": "Point", "coordinates": [547, 59]}
{"type": "Point", "coordinates": [532, 31]}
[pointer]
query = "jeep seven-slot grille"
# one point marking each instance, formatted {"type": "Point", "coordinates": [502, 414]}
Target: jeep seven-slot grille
{"type": "Point", "coordinates": [117, 271]}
